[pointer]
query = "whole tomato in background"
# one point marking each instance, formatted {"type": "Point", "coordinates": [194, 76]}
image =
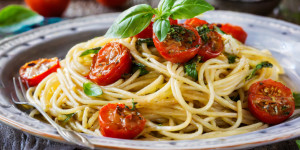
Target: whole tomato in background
{"type": "Point", "coordinates": [112, 3]}
{"type": "Point", "coordinates": [48, 8]}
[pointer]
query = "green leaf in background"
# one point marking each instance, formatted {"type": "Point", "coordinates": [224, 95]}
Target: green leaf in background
{"type": "Point", "coordinates": [161, 27]}
{"type": "Point", "coordinates": [165, 5]}
{"type": "Point", "coordinates": [297, 99]}
{"type": "Point", "coordinates": [298, 143]}
{"type": "Point", "coordinates": [131, 22]}
{"type": "Point", "coordinates": [90, 51]}
{"type": "Point", "coordinates": [91, 89]}
{"type": "Point", "coordinates": [184, 9]}
{"type": "Point", "coordinates": [14, 17]}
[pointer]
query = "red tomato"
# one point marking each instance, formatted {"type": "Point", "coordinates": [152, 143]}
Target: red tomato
{"type": "Point", "coordinates": [236, 31]}
{"type": "Point", "coordinates": [117, 121]}
{"type": "Point", "coordinates": [270, 101]}
{"type": "Point", "coordinates": [148, 32]}
{"type": "Point", "coordinates": [181, 45]}
{"type": "Point", "coordinates": [195, 22]}
{"type": "Point", "coordinates": [48, 8]}
{"type": "Point", "coordinates": [212, 45]}
{"type": "Point", "coordinates": [111, 62]}
{"type": "Point", "coordinates": [35, 71]}
{"type": "Point", "coordinates": [112, 3]}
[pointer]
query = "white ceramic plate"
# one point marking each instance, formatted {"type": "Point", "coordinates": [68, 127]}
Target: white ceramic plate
{"type": "Point", "coordinates": [282, 38]}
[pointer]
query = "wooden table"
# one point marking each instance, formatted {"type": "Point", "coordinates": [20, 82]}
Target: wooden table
{"type": "Point", "coordinates": [79, 8]}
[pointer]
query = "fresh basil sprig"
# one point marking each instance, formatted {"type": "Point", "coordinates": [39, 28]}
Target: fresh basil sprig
{"type": "Point", "coordinates": [259, 66]}
{"type": "Point", "coordinates": [137, 18]}
{"type": "Point", "coordinates": [91, 89]}
{"type": "Point", "coordinates": [15, 17]}
{"type": "Point", "coordinates": [90, 51]}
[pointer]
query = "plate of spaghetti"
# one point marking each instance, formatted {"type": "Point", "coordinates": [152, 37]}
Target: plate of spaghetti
{"type": "Point", "coordinates": [158, 78]}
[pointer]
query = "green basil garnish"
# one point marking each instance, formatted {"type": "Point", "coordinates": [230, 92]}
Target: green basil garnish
{"type": "Point", "coordinates": [136, 66]}
{"type": "Point", "coordinates": [69, 116]}
{"type": "Point", "coordinates": [137, 18]}
{"type": "Point", "coordinates": [190, 67]}
{"type": "Point", "coordinates": [297, 99]}
{"type": "Point", "coordinates": [148, 41]}
{"type": "Point", "coordinates": [91, 89]}
{"type": "Point", "coordinates": [90, 51]}
{"type": "Point", "coordinates": [264, 64]}
{"type": "Point", "coordinates": [231, 58]}
{"type": "Point", "coordinates": [14, 17]}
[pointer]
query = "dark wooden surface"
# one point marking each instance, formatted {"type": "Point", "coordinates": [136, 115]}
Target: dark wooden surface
{"type": "Point", "coordinates": [79, 8]}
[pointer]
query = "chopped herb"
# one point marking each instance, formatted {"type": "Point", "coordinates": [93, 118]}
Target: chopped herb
{"type": "Point", "coordinates": [203, 31]}
{"type": "Point", "coordinates": [133, 106]}
{"type": "Point", "coordinates": [217, 29]}
{"type": "Point", "coordinates": [90, 51]}
{"type": "Point", "coordinates": [69, 116]}
{"type": "Point", "coordinates": [235, 98]}
{"type": "Point", "coordinates": [91, 89]}
{"type": "Point", "coordinates": [264, 64]}
{"type": "Point", "coordinates": [298, 143]}
{"type": "Point", "coordinates": [136, 66]}
{"type": "Point", "coordinates": [148, 41]}
{"type": "Point", "coordinates": [231, 58]}
{"type": "Point", "coordinates": [297, 99]}
{"type": "Point", "coordinates": [190, 67]}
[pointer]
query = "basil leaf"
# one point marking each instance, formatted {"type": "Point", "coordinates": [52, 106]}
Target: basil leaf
{"type": "Point", "coordinates": [90, 51]}
{"type": "Point", "coordinates": [161, 27]}
{"type": "Point", "coordinates": [136, 66]}
{"type": "Point", "coordinates": [91, 89]}
{"type": "Point", "coordinates": [190, 67]}
{"type": "Point", "coordinates": [14, 18]}
{"type": "Point", "coordinates": [131, 22]}
{"type": "Point", "coordinates": [297, 99]}
{"type": "Point", "coordinates": [264, 64]}
{"type": "Point", "coordinates": [148, 41]}
{"type": "Point", "coordinates": [219, 30]}
{"type": "Point", "coordinates": [165, 5]}
{"type": "Point", "coordinates": [69, 116]}
{"type": "Point", "coordinates": [183, 9]}
{"type": "Point", "coordinates": [231, 58]}
{"type": "Point", "coordinates": [298, 143]}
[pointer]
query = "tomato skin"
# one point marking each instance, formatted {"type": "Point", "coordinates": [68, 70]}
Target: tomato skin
{"type": "Point", "coordinates": [176, 52]}
{"type": "Point", "coordinates": [148, 32]}
{"type": "Point", "coordinates": [33, 80]}
{"type": "Point", "coordinates": [236, 31]}
{"type": "Point", "coordinates": [112, 3]}
{"type": "Point", "coordinates": [213, 47]}
{"type": "Point", "coordinates": [195, 22]}
{"type": "Point", "coordinates": [111, 62]}
{"type": "Point", "coordinates": [270, 101]}
{"type": "Point", "coordinates": [116, 121]}
{"type": "Point", "coordinates": [48, 8]}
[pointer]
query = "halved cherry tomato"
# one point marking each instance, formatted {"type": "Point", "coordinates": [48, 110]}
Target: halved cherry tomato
{"type": "Point", "coordinates": [236, 31]}
{"type": "Point", "coordinates": [181, 44]}
{"type": "Point", "coordinates": [35, 71]}
{"type": "Point", "coordinates": [270, 101]}
{"type": "Point", "coordinates": [118, 121]}
{"type": "Point", "coordinates": [195, 22]}
{"type": "Point", "coordinates": [112, 3]}
{"type": "Point", "coordinates": [48, 8]}
{"type": "Point", "coordinates": [148, 32]}
{"type": "Point", "coordinates": [212, 43]}
{"type": "Point", "coordinates": [111, 62]}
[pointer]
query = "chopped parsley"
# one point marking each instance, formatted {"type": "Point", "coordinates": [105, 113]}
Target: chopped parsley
{"type": "Point", "coordinates": [231, 58]}
{"type": "Point", "coordinates": [136, 66]}
{"type": "Point", "coordinates": [133, 106]}
{"type": "Point", "coordinates": [90, 51]}
{"type": "Point", "coordinates": [69, 116]}
{"type": "Point", "coordinates": [190, 67]}
{"type": "Point", "coordinates": [259, 66]}
{"type": "Point", "coordinates": [203, 31]}
{"type": "Point", "coordinates": [148, 41]}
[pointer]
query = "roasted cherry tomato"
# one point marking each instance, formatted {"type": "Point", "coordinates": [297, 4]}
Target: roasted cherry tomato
{"type": "Point", "coordinates": [112, 3]}
{"type": "Point", "coordinates": [270, 101]}
{"type": "Point", "coordinates": [111, 62]}
{"type": "Point", "coordinates": [236, 31]}
{"type": "Point", "coordinates": [181, 44]}
{"type": "Point", "coordinates": [118, 121]}
{"type": "Point", "coordinates": [35, 71]}
{"type": "Point", "coordinates": [48, 8]}
{"type": "Point", "coordinates": [195, 22]}
{"type": "Point", "coordinates": [148, 32]}
{"type": "Point", "coordinates": [212, 43]}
